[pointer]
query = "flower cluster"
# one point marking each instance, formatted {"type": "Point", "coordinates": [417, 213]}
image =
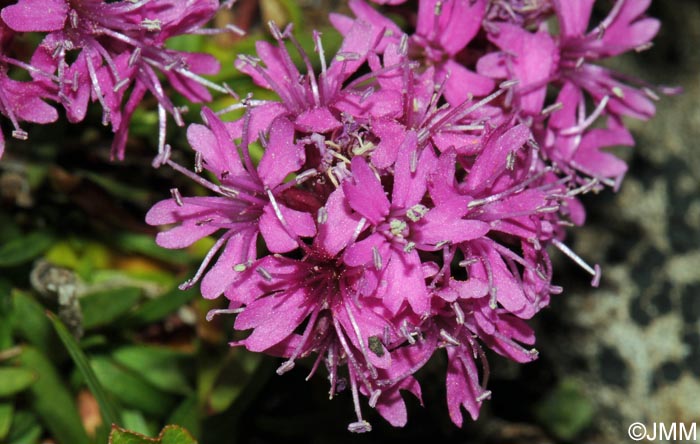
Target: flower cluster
{"type": "Point", "coordinates": [408, 192]}
{"type": "Point", "coordinates": [112, 52]}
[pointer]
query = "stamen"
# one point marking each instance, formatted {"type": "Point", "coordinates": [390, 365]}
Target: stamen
{"type": "Point", "coordinates": [578, 129]}
{"type": "Point", "coordinates": [212, 313]}
{"type": "Point", "coordinates": [205, 262]}
{"type": "Point", "coordinates": [594, 271]}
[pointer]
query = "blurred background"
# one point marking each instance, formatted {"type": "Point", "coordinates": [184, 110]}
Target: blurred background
{"type": "Point", "coordinates": [73, 241]}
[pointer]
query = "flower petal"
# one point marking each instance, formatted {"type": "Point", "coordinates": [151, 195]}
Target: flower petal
{"type": "Point", "coordinates": [36, 15]}
{"type": "Point", "coordinates": [365, 193]}
{"type": "Point", "coordinates": [282, 156]}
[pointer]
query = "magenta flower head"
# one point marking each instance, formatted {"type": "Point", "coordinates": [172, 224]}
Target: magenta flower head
{"type": "Point", "coordinates": [442, 32]}
{"type": "Point", "coordinates": [403, 204]}
{"type": "Point", "coordinates": [116, 47]}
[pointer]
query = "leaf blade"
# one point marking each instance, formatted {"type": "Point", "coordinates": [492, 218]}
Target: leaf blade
{"type": "Point", "coordinates": [108, 411]}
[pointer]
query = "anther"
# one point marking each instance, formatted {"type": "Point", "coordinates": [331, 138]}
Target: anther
{"type": "Point", "coordinates": [552, 108]}
{"type": "Point", "coordinates": [203, 222]}
{"type": "Point", "coordinates": [20, 134]}
{"type": "Point", "coordinates": [484, 396]}
{"type": "Point", "coordinates": [459, 313]}
{"type": "Point", "coordinates": [650, 93]}
{"type": "Point", "coordinates": [360, 427]}
{"type": "Point", "coordinates": [467, 262]}
{"type": "Point", "coordinates": [377, 258]}
{"type": "Point", "coordinates": [135, 56]}
{"type": "Point", "coordinates": [218, 311]}
{"type": "Point", "coordinates": [414, 161]}
{"type": "Point", "coordinates": [374, 398]}
{"type": "Point", "coordinates": [285, 367]}
{"type": "Point", "coordinates": [121, 84]}
{"type": "Point", "coordinates": [264, 273]}
{"type": "Point", "coordinates": [177, 196]}
{"type": "Point", "coordinates": [228, 191]}
{"type": "Point", "coordinates": [151, 24]}
{"type": "Point", "coordinates": [508, 84]}
{"type": "Point", "coordinates": [449, 338]}
{"type": "Point", "coordinates": [73, 18]}
{"type": "Point", "coordinates": [198, 162]}
{"type": "Point", "coordinates": [510, 161]}
{"type": "Point", "coordinates": [416, 212]}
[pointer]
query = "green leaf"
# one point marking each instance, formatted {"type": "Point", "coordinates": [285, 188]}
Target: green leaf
{"type": "Point", "coordinates": [156, 309]}
{"type": "Point", "coordinates": [25, 248]}
{"type": "Point", "coordinates": [104, 307]}
{"type": "Point", "coordinates": [171, 434]}
{"type": "Point", "coordinates": [118, 188]}
{"type": "Point", "coordinates": [160, 366]}
{"type": "Point", "coordinates": [221, 381]}
{"type": "Point", "coordinates": [25, 428]}
{"type": "Point", "coordinates": [5, 314]}
{"type": "Point", "coordinates": [108, 411]}
{"type": "Point", "coordinates": [130, 388]}
{"type": "Point", "coordinates": [187, 415]}
{"type": "Point", "coordinates": [6, 412]}
{"type": "Point", "coordinates": [146, 245]}
{"type": "Point", "coordinates": [135, 421]}
{"type": "Point", "coordinates": [566, 411]}
{"type": "Point", "coordinates": [50, 399]}
{"type": "Point", "coordinates": [15, 380]}
{"type": "Point", "coordinates": [30, 323]}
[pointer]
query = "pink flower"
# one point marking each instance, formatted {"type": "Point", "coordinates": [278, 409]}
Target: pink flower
{"type": "Point", "coordinates": [21, 101]}
{"type": "Point", "coordinates": [624, 29]}
{"type": "Point", "coordinates": [401, 228]}
{"type": "Point", "coordinates": [443, 30]}
{"type": "Point", "coordinates": [312, 102]}
{"type": "Point", "coordinates": [576, 149]}
{"type": "Point", "coordinates": [250, 201]}
{"type": "Point", "coordinates": [296, 308]}
{"type": "Point", "coordinates": [115, 46]}
{"type": "Point", "coordinates": [537, 59]}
